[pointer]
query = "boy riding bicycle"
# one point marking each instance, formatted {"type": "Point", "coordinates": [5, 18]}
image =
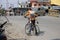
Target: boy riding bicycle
{"type": "Point", "coordinates": [32, 17]}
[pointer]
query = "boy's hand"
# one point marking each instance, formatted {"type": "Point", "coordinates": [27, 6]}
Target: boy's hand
{"type": "Point", "coordinates": [37, 22]}
{"type": "Point", "coordinates": [24, 16]}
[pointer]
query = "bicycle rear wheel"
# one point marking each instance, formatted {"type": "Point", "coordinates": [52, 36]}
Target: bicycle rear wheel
{"type": "Point", "coordinates": [38, 29]}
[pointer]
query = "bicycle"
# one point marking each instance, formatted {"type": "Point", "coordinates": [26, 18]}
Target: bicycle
{"type": "Point", "coordinates": [29, 26]}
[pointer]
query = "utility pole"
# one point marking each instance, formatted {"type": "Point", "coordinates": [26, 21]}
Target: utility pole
{"type": "Point", "coordinates": [7, 4]}
{"type": "Point", "coordinates": [11, 5]}
{"type": "Point", "coordinates": [18, 2]}
{"type": "Point", "coordinates": [1, 6]}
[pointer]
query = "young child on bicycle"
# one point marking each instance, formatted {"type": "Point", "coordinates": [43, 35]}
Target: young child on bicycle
{"type": "Point", "coordinates": [32, 17]}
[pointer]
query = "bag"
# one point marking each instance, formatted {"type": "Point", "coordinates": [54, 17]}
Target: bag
{"type": "Point", "coordinates": [32, 15]}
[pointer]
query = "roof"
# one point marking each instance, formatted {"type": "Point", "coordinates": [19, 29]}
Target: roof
{"type": "Point", "coordinates": [40, 0]}
{"type": "Point", "coordinates": [43, 0]}
{"type": "Point", "coordinates": [23, 3]}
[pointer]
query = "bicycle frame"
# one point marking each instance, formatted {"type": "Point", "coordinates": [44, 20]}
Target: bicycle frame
{"type": "Point", "coordinates": [29, 27]}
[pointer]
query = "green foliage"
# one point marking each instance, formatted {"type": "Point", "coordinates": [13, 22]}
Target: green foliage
{"type": "Point", "coordinates": [2, 11]}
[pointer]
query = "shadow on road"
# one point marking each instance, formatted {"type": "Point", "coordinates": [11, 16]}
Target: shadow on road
{"type": "Point", "coordinates": [41, 33]}
{"type": "Point", "coordinates": [55, 39]}
{"type": "Point", "coordinates": [18, 39]}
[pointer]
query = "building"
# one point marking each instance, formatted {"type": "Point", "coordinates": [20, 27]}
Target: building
{"type": "Point", "coordinates": [22, 7]}
{"type": "Point", "coordinates": [38, 3]}
{"type": "Point", "coordinates": [23, 4]}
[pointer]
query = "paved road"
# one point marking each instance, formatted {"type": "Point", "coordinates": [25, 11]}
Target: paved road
{"type": "Point", "coordinates": [49, 27]}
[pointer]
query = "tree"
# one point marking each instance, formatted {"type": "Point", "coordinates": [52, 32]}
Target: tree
{"type": "Point", "coordinates": [2, 11]}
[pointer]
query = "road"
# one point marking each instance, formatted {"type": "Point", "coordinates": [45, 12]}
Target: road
{"type": "Point", "coordinates": [49, 28]}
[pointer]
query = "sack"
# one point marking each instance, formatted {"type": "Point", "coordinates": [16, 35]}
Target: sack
{"type": "Point", "coordinates": [32, 15]}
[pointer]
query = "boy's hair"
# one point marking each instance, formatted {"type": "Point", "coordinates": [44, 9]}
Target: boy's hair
{"type": "Point", "coordinates": [29, 9]}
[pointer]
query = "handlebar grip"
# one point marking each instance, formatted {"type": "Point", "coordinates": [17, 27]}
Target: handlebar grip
{"type": "Point", "coordinates": [37, 22]}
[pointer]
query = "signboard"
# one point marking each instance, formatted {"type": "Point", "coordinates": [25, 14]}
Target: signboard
{"type": "Point", "coordinates": [55, 7]}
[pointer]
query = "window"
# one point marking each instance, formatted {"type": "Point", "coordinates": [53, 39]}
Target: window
{"type": "Point", "coordinates": [39, 4]}
{"type": "Point", "coordinates": [27, 5]}
{"type": "Point", "coordinates": [44, 4]}
{"type": "Point", "coordinates": [30, 5]}
{"type": "Point", "coordinates": [35, 4]}
{"type": "Point", "coordinates": [21, 6]}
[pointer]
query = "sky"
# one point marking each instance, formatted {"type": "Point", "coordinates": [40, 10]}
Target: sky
{"type": "Point", "coordinates": [10, 3]}
{"type": "Point", "coordinates": [15, 2]}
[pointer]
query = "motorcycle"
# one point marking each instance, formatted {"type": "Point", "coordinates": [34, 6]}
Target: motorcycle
{"type": "Point", "coordinates": [2, 35]}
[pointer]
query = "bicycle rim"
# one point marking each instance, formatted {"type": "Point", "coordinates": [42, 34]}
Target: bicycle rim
{"type": "Point", "coordinates": [38, 29]}
{"type": "Point", "coordinates": [34, 30]}
{"type": "Point", "coordinates": [27, 28]}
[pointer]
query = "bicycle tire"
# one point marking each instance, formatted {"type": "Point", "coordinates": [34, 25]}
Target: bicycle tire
{"type": "Point", "coordinates": [33, 31]}
{"type": "Point", "coordinates": [38, 30]}
{"type": "Point", "coordinates": [27, 28]}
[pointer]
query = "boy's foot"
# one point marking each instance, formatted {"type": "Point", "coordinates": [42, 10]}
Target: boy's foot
{"type": "Point", "coordinates": [28, 34]}
{"type": "Point", "coordinates": [36, 33]}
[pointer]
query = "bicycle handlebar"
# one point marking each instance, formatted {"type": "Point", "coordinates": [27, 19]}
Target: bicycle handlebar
{"type": "Point", "coordinates": [3, 24]}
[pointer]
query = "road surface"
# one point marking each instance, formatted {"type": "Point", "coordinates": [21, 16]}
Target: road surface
{"type": "Point", "coordinates": [49, 27]}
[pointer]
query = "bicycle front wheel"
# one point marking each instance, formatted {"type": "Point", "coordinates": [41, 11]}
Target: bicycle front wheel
{"type": "Point", "coordinates": [27, 28]}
